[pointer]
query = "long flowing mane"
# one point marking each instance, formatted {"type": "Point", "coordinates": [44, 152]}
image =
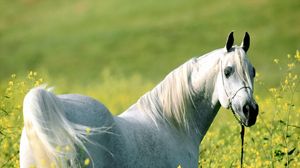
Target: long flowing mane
{"type": "Point", "coordinates": [170, 98]}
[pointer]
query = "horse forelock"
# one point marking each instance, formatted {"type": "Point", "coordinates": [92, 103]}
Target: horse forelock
{"type": "Point", "coordinates": [242, 65]}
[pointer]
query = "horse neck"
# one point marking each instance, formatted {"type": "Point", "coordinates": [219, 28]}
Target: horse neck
{"type": "Point", "coordinates": [205, 100]}
{"type": "Point", "coordinates": [191, 111]}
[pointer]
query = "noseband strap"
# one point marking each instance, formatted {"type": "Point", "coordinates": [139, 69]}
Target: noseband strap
{"type": "Point", "coordinates": [230, 99]}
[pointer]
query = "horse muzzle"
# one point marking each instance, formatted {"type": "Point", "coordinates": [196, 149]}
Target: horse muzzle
{"type": "Point", "coordinates": [250, 111]}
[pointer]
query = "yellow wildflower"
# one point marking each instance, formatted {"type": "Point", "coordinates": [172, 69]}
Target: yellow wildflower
{"type": "Point", "coordinates": [5, 145]}
{"type": "Point", "coordinates": [52, 165]}
{"type": "Point", "coordinates": [58, 149]}
{"type": "Point", "coordinates": [36, 83]}
{"type": "Point", "coordinates": [272, 90]}
{"type": "Point", "coordinates": [276, 61]}
{"type": "Point", "coordinates": [32, 166]}
{"type": "Point", "coordinates": [10, 83]}
{"type": "Point", "coordinates": [86, 161]}
{"type": "Point", "coordinates": [67, 148]}
{"type": "Point", "coordinates": [286, 82]}
{"type": "Point", "coordinates": [88, 130]}
{"type": "Point", "coordinates": [291, 65]}
{"type": "Point", "coordinates": [18, 106]}
{"type": "Point", "coordinates": [267, 162]}
{"type": "Point", "coordinates": [285, 150]}
{"type": "Point", "coordinates": [297, 56]}
{"type": "Point", "coordinates": [43, 162]}
{"type": "Point", "coordinates": [30, 75]}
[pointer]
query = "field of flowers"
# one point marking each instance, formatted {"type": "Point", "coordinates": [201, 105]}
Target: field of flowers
{"type": "Point", "coordinates": [272, 142]}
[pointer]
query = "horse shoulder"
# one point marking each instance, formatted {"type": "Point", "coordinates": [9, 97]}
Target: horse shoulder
{"type": "Point", "coordinates": [148, 143]}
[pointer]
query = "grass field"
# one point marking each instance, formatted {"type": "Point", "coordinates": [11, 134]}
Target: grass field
{"type": "Point", "coordinates": [117, 50]}
{"type": "Point", "coordinates": [77, 40]}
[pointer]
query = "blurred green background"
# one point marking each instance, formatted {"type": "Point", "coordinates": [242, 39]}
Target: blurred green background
{"type": "Point", "coordinates": [129, 46]}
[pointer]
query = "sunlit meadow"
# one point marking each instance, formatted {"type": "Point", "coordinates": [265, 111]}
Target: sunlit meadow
{"type": "Point", "coordinates": [272, 142]}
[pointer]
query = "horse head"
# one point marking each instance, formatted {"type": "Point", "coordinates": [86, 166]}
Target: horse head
{"type": "Point", "coordinates": [235, 81]}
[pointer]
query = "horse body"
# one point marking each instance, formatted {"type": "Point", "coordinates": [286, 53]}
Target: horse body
{"type": "Point", "coordinates": [133, 140]}
{"type": "Point", "coordinates": [164, 128]}
{"type": "Point", "coordinates": [158, 145]}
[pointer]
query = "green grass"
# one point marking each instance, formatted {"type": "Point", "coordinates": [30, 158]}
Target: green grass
{"type": "Point", "coordinates": [77, 40]}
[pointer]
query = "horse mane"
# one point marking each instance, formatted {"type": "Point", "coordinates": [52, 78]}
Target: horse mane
{"type": "Point", "coordinates": [170, 99]}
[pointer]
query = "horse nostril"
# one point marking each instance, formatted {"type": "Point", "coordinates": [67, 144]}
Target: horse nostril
{"type": "Point", "coordinates": [246, 110]}
{"type": "Point", "coordinates": [250, 111]}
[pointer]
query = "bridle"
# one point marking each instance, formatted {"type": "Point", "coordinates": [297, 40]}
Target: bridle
{"type": "Point", "coordinates": [230, 102]}
{"type": "Point", "coordinates": [230, 98]}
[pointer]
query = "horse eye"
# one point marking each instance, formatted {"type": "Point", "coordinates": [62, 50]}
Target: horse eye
{"type": "Point", "coordinates": [254, 73]}
{"type": "Point", "coordinates": [228, 71]}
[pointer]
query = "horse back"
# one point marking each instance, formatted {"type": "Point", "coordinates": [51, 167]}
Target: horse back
{"type": "Point", "coordinates": [106, 149]}
{"type": "Point", "coordinates": [86, 111]}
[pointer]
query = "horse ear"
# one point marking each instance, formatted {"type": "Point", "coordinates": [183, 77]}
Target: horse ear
{"type": "Point", "coordinates": [246, 42]}
{"type": "Point", "coordinates": [229, 42]}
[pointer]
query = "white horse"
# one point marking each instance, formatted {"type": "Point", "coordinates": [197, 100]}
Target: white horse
{"type": "Point", "coordinates": [163, 128]}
